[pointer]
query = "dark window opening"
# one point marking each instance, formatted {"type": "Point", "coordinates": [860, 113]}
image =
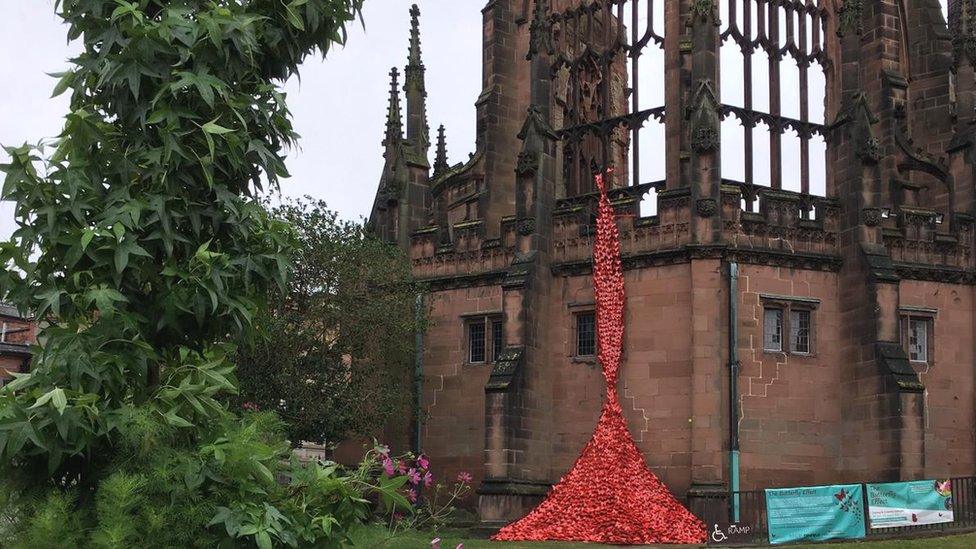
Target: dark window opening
{"type": "Point", "coordinates": [485, 338]}
{"type": "Point", "coordinates": [497, 337]}
{"type": "Point", "coordinates": [586, 334]}
{"type": "Point", "coordinates": [477, 353]}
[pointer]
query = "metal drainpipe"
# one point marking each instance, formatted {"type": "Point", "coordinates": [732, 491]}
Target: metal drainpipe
{"type": "Point", "coordinates": [418, 375]}
{"type": "Point", "coordinates": [734, 389]}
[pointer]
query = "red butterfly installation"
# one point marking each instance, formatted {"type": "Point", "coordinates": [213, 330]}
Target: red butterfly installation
{"type": "Point", "coordinates": [609, 496]}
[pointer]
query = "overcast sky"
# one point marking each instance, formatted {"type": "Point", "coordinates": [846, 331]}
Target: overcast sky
{"type": "Point", "coordinates": [339, 106]}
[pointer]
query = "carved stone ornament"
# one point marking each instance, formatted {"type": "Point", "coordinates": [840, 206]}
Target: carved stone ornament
{"type": "Point", "coordinates": [703, 113]}
{"type": "Point", "coordinates": [871, 216]}
{"type": "Point", "coordinates": [869, 149]}
{"type": "Point", "coordinates": [390, 191]}
{"type": "Point", "coordinates": [703, 11]}
{"type": "Point", "coordinates": [849, 17]}
{"type": "Point", "coordinates": [963, 27]}
{"type": "Point", "coordinates": [526, 226]}
{"type": "Point", "coordinates": [859, 119]}
{"type": "Point", "coordinates": [707, 207]}
{"type": "Point", "coordinates": [528, 163]}
{"type": "Point", "coordinates": [540, 32]}
{"type": "Point", "coordinates": [705, 139]}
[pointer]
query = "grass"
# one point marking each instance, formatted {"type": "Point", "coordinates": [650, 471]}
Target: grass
{"type": "Point", "coordinates": [379, 538]}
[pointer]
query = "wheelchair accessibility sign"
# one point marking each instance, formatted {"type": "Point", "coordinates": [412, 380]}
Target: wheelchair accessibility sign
{"type": "Point", "coordinates": [728, 533]}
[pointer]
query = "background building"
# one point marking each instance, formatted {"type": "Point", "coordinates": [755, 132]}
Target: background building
{"type": "Point", "coordinates": [795, 187]}
{"type": "Point", "coordinates": [17, 334]}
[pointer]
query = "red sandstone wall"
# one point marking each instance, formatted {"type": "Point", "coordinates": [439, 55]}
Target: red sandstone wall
{"type": "Point", "coordinates": [791, 405]}
{"type": "Point", "coordinates": [454, 392]}
{"type": "Point", "coordinates": [655, 379]}
{"type": "Point", "coordinates": [950, 402]}
{"type": "Point", "coordinates": [790, 408]}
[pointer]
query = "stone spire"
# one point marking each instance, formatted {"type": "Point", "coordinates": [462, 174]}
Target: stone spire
{"type": "Point", "coordinates": [414, 57]}
{"type": "Point", "coordinates": [440, 157]}
{"type": "Point", "coordinates": [394, 123]}
{"type": "Point", "coordinates": [418, 132]}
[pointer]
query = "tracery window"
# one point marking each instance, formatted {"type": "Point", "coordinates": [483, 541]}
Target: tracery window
{"type": "Point", "coordinates": [609, 92]}
{"type": "Point", "coordinates": [773, 90]}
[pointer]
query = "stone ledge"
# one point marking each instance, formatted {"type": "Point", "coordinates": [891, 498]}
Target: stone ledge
{"type": "Point", "coordinates": [513, 487]}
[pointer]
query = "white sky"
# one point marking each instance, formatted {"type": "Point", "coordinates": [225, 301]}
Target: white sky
{"type": "Point", "coordinates": [339, 106]}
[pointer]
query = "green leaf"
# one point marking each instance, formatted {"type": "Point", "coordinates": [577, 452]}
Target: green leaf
{"type": "Point", "coordinates": [105, 298]}
{"type": "Point", "coordinates": [59, 400]}
{"type": "Point", "coordinates": [20, 381]}
{"type": "Point", "coordinates": [293, 18]}
{"type": "Point", "coordinates": [263, 539]}
{"type": "Point", "coordinates": [50, 301]}
{"type": "Point", "coordinates": [86, 237]}
{"type": "Point", "coordinates": [213, 128]}
{"type": "Point", "coordinates": [176, 421]}
{"type": "Point", "coordinates": [65, 79]}
{"type": "Point", "coordinates": [126, 249]}
{"type": "Point", "coordinates": [42, 400]}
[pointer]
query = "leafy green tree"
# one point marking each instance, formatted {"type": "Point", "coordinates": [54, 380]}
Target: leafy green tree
{"type": "Point", "coordinates": [339, 358]}
{"type": "Point", "coordinates": [142, 244]}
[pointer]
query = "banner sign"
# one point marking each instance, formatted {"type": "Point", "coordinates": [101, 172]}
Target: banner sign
{"type": "Point", "coordinates": [896, 504]}
{"type": "Point", "coordinates": [816, 513]}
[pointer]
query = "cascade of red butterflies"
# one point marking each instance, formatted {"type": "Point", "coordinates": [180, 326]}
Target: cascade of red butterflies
{"type": "Point", "coordinates": [609, 496]}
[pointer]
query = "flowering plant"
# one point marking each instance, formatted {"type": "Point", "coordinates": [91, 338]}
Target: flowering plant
{"type": "Point", "coordinates": [430, 503]}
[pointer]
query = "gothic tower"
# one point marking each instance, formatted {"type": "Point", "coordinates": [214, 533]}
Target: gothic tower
{"type": "Point", "coordinates": [794, 183]}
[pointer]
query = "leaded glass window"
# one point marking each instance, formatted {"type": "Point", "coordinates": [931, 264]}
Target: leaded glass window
{"type": "Point", "coordinates": [586, 334]}
{"type": "Point", "coordinates": [773, 330]}
{"type": "Point", "coordinates": [477, 352]}
{"type": "Point", "coordinates": [800, 332]}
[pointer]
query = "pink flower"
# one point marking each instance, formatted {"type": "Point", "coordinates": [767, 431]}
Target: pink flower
{"type": "Point", "coordinates": [435, 543]}
{"type": "Point", "coordinates": [250, 407]}
{"type": "Point", "coordinates": [388, 466]}
{"type": "Point", "coordinates": [402, 467]}
{"type": "Point", "coordinates": [412, 495]}
{"type": "Point", "coordinates": [428, 479]}
{"type": "Point", "coordinates": [413, 476]}
{"type": "Point", "coordinates": [464, 477]}
{"type": "Point", "coordinates": [423, 462]}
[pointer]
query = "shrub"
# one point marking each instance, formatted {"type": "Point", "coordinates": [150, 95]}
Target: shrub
{"type": "Point", "coordinates": [339, 357]}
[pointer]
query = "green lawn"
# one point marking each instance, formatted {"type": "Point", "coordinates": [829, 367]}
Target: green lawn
{"type": "Point", "coordinates": [378, 538]}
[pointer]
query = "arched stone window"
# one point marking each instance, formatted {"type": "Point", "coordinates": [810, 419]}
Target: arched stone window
{"type": "Point", "coordinates": [609, 92]}
{"type": "Point", "coordinates": [773, 94]}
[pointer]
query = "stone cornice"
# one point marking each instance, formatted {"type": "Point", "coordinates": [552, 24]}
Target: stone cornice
{"type": "Point", "coordinates": [797, 260]}
{"type": "Point", "coordinates": [473, 280]}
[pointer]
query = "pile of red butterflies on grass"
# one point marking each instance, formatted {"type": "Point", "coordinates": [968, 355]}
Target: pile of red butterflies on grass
{"type": "Point", "coordinates": [609, 496]}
